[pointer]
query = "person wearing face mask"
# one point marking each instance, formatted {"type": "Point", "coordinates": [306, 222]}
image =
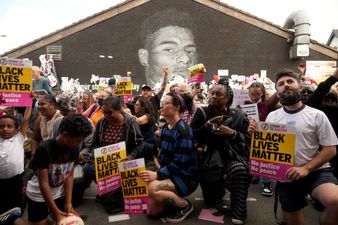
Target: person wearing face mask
{"type": "Point", "coordinates": [94, 112]}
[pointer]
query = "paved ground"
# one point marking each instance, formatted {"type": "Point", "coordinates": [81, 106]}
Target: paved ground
{"type": "Point", "coordinates": [260, 211]}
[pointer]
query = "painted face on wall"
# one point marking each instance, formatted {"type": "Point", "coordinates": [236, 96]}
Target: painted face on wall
{"type": "Point", "coordinates": [170, 46]}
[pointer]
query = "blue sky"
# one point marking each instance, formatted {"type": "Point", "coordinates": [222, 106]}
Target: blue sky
{"type": "Point", "coordinates": [22, 21]}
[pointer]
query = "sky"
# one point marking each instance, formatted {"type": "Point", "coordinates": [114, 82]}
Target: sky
{"type": "Point", "coordinates": [22, 21]}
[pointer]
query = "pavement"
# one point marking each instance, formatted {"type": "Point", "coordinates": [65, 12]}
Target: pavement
{"type": "Point", "coordinates": [260, 211]}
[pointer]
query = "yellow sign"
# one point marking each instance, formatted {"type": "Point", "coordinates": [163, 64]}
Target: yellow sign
{"type": "Point", "coordinates": [123, 86]}
{"type": "Point", "coordinates": [106, 160]}
{"type": "Point", "coordinates": [107, 165]}
{"type": "Point", "coordinates": [135, 189]}
{"type": "Point", "coordinates": [132, 184]}
{"type": "Point", "coordinates": [273, 147]}
{"type": "Point", "coordinates": [15, 79]}
{"type": "Point", "coordinates": [272, 150]}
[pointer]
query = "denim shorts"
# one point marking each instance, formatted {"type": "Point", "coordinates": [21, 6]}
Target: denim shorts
{"type": "Point", "coordinates": [292, 194]}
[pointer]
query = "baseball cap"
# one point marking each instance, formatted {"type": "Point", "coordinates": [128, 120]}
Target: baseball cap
{"type": "Point", "coordinates": [146, 87]}
{"type": "Point", "coordinates": [67, 101]}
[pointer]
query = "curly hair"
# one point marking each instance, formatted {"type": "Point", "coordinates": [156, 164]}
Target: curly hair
{"type": "Point", "coordinates": [76, 125]}
{"type": "Point", "coordinates": [146, 107]}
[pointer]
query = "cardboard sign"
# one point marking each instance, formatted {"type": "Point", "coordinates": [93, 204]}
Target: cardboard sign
{"type": "Point", "coordinates": [124, 86]}
{"type": "Point", "coordinates": [196, 73]}
{"type": "Point", "coordinates": [127, 98]}
{"type": "Point", "coordinates": [135, 189]}
{"type": "Point", "coordinates": [15, 82]}
{"type": "Point", "coordinates": [198, 78]}
{"type": "Point", "coordinates": [251, 111]}
{"type": "Point", "coordinates": [320, 70]}
{"type": "Point", "coordinates": [107, 159]}
{"type": "Point", "coordinates": [240, 97]}
{"type": "Point", "coordinates": [272, 150]}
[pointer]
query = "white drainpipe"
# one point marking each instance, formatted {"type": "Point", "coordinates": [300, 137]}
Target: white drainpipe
{"type": "Point", "coordinates": [300, 21]}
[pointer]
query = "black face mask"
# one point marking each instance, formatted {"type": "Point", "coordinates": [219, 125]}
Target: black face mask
{"type": "Point", "coordinates": [290, 99]}
{"type": "Point", "coordinates": [100, 101]}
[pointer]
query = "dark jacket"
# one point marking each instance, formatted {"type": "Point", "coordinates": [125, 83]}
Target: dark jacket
{"type": "Point", "coordinates": [235, 118]}
{"type": "Point", "coordinates": [134, 139]}
{"type": "Point", "coordinates": [316, 98]}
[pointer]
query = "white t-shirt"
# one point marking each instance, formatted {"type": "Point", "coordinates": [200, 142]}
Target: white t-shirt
{"type": "Point", "coordinates": [34, 193]}
{"type": "Point", "coordinates": [313, 130]}
{"type": "Point", "coordinates": [12, 156]}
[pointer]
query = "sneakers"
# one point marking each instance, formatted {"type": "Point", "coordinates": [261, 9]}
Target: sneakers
{"type": "Point", "coordinates": [10, 215]}
{"type": "Point", "coordinates": [237, 221]}
{"type": "Point", "coordinates": [267, 190]}
{"type": "Point", "coordinates": [181, 214]}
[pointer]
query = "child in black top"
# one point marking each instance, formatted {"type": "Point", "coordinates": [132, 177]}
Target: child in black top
{"type": "Point", "coordinates": [51, 186]}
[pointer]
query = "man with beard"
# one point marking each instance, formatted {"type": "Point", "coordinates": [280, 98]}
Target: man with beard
{"type": "Point", "coordinates": [316, 143]}
{"type": "Point", "coordinates": [168, 41]}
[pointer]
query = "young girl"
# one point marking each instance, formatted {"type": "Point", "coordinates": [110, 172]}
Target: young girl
{"type": "Point", "coordinates": [12, 138]}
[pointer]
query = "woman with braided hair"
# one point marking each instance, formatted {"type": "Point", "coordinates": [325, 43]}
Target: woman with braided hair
{"type": "Point", "coordinates": [223, 156]}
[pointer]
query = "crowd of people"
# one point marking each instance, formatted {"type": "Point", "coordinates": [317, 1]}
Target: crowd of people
{"type": "Point", "coordinates": [188, 138]}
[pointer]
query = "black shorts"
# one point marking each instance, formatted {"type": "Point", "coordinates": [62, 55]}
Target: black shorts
{"type": "Point", "coordinates": [292, 194]}
{"type": "Point", "coordinates": [10, 193]}
{"type": "Point", "coordinates": [38, 211]}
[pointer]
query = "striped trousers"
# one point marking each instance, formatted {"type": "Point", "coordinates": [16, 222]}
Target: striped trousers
{"type": "Point", "coordinates": [237, 182]}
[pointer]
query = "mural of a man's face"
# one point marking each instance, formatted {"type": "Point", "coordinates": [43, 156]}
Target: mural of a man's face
{"type": "Point", "coordinates": [170, 46]}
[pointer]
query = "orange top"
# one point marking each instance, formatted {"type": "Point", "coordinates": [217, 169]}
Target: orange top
{"type": "Point", "coordinates": [96, 116]}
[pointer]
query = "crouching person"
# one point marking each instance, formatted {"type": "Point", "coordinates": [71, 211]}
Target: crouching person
{"type": "Point", "coordinates": [50, 189]}
{"type": "Point", "coordinates": [176, 177]}
{"type": "Point", "coordinates": [223, 163]}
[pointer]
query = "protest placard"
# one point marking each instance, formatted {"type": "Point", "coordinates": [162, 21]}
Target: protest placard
{"type": "Point", "coordinates": [320, 70]}
{"type": "Point", "coordinates": [127, 98]}
{"type": "Point", "coordinates": [15, 82]}
{"type": "Point", "coordinates": [135, 189]}
{"type": "Point", "coordinates": [107, 159]}
{"type": "Point", "coordinates": [123, 86]}
{"type": "Point", "coordinates": [272, 150]}
{"type": "Point", "coordinates": [196, 73]}
{"type": "Point", "coordinates": [251, 111]}
{"type": "Point", "coordinates": [240, 97]}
